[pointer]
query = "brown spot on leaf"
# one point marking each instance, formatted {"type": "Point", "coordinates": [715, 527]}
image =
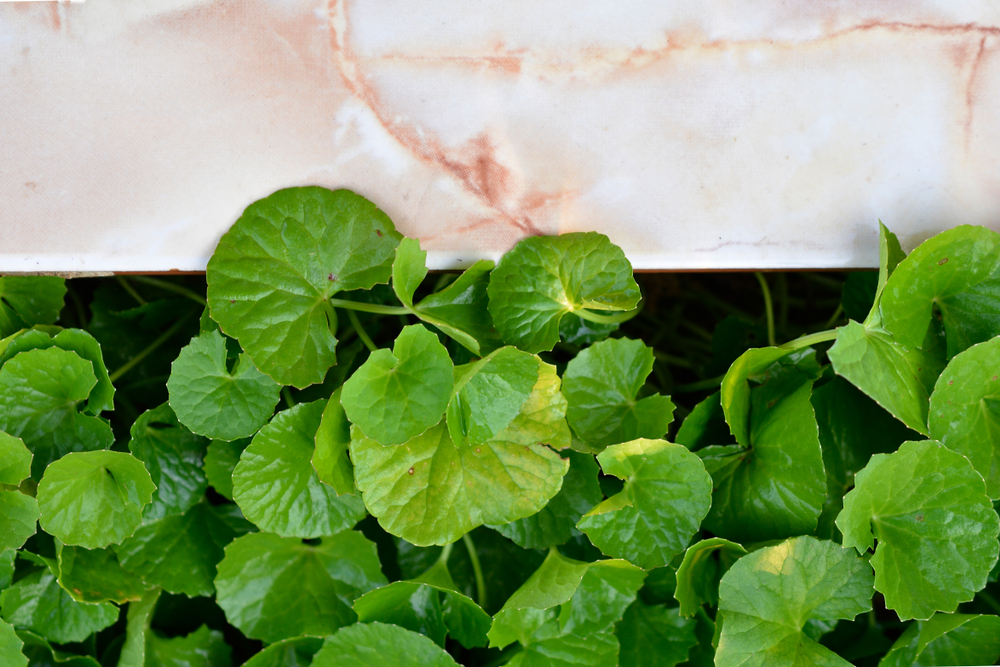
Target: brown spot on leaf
{"type": "Point", "coordinates": [410, 471]}
{"type": "Point", "coordinates": [943, 261]}
{"type": "Point", "coordinates": [920, 517]}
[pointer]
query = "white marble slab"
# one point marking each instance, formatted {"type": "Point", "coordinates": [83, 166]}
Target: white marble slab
{"type": "Point", "coordinates": [720, 134]}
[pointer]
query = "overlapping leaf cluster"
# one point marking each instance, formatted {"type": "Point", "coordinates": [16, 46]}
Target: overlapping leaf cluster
{"type": "Point", "coordinates": [490, 482]}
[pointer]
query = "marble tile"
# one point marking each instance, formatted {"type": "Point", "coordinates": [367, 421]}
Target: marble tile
{"type": "Point", "coordinates": [704, 135]}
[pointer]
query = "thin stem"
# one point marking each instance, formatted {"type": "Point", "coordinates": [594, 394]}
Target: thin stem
{"type": "Point", "coordinates": [672, 360]}
{"type": "Point", "coordinates": [170, 287]}
{"type": "Point", "coordinates": [477, 569]}
{"type": "Point", "coordinates": [608, 319]}
{"type": "Point", "coordinates": [811, 339]}
{"type": "Point", "coordinates": [360, 330]}
{"type": "Point", "coordinates": [164, 337]}
{"type": "Point", "coordinates": [833, 318]}
{"type": "Point", "coordinates": [286, 393]}
{"type": "Point", "coordinates": [768, 308]}
{"type": "Point", "coordinates": [446, 553]}
{"type": "Point", "coordinates": [127, 286]}
{"type": "Point", "coordinates": [701, 385]}
{"type": "Point", "coordinates": [376, 308]}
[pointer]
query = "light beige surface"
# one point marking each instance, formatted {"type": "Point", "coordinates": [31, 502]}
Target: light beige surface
{"type": "Point", "coordinates": [720, 134]}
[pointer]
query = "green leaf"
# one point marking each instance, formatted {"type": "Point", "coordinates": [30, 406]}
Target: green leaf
{"type": "Point", "coordinates": [73, 340]}
{"type": "Point", "coordinates": [95, 575]}
{"type": "Point", "coordinates": [947, 271]}
{"type": "Point", "coordinates": [174, 458]}
{"type": "Point", "coordinates": [361, 644]}
{"type": "Point", "coordinates": [542, 419]}
{"type": "Point", "coordinates": [769, 597]}
{"type": "Point", "coordinates": [39, 394]}
{"type": "Point", "coordinates": [601, 385]}
{"type": "Point", "coordinates": [947, 639]}
{"type": "Point", "coordinates": [397, 395]}
{"type": "Point", "coordinates": [551, 649]}
{"type": "Point", "coordinates": [583, 598]}
{"type": "Point", "coordinates": [29, 300]}
{"type": "Point", "coordinates": [7, 567]}
{"type": "Point", "coordinates": [545, 277]}
{"type": "Point", "coordinates": [15, 460]}
{"type": "Point", "coordinates": [555, 523]}
{"type": "Point", "coordinates": [331, 459]}
{"type": "Point", "coordinates": [201, 648]}
{"type": "Point", "coordinates": [42, 653]}
{"type": "Point", "coordinates": [220, 461]}
{"type": "Point", "coordinates": [409, 268]}
{"type": "Point", "coordinates": [93, 499]}
{"type": "Point", "coordinates": [432, 491]}
{"type": "Point", "coordinates": [273, 272]}
{"type": "Point", "coordinates": [139, 617]}
{"type": "Point", "coordinates": [179, 553]}
{"type": "Point", "coordinates": [760, 494]}
{"type": "Point", "coordinates": [490, 393]}
{"type": "Point", "coordinates": [923, 499]}
{"type": "Point", "coordinates": [965, 410]}
{"type": "Point", "coordinates": [38, 603]}
{"type": "Point", "coordinates": [699, 573]}
{"type": "Point", "coordinates": [276, 486]}
{"type": "Point", "coordinates": [275, 588]}
{"type": "Point", "coordinates": [213, 401]}
{"type": "Point", "coordinates": [18, 516]}
{"type": "Point", "coordinates": [667, 494]}
{"type": "Point", "coordinates": [654, 636]}
{"type": "Point", "coordinates": [706, 425]}
{"type": "Point", "coordinates": [575, 330]}
{"type": "Point", "coordinates": [10, 647]}
{"type": "Point", "coordinates": [296, 652]}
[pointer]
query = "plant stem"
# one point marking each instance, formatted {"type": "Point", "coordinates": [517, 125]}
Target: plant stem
{"type": "Point", "coordinates": [672, 360]}
{"type": "Point", "coordinates": [476, 569]}
{"type": "Point", "coordinates": [360, 330]}
{"type": "Point", "coordinates": [701, 385]}
{"type": "Point", "coordinates": [164, 337]}
{"type": "Point", "coordinates": [768, 308]}
{"type": "Point", "coordinates": [446, 553]}
{"type": "Point", "coordinates": [811, 339]}
{"type": "Point", "coordinates": [286, 393]}
{"type": "Point", "coordinates": [833, 318]}
{"type": "Point", "coordinates": [131, 290]}
{"type": "Point", "coordinates": [376, 308]}
{"type": "Point", "coordinates": [608, 319]}
{"type": "Point", "coordinates": [170, 287]}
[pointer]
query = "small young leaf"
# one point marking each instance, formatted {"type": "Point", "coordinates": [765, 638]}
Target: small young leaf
{"type": "Point", "coordinates": [947, 639]}
{"type": "Point", "coordinates": [93, 499]}
{"type": "Point", "coordinates": [10, 647]}
{"type": "Point", "coordinates": [275, 588]}
{"type": "Point", "coordinates": [174, 458]}
{"type": "Point", "coordinates": [296, 652]}
{"type": "Point", "coordinates": [601, 385]}
{"type": "Point", "coordinates": [460, 310]}
{"type": "Point", "coordinates": [139, 618]}
{"type": "Point", "coordinates": [490, 393]}
{"type": "Point", "coordinates": [432, 491]}
{"type": "Point", "coordinates": [214, 402]}
{"type": "Point", "coordinates": [18, 516]}
{"type": "Point", "coordinates": [15, 460]}
{"type": "Point", "coordinates": [220, 461]}
{"type": "Point", "coordinates": [545, 277]}
{"type": "Point", "coordinates": [397, 395]}
{"type": "Point", "coordinates": [923, 499]}
{"type": "Point", "coordinates": [95, 575]}
{"type": "Point", "coordinates": [654, 636]}
{"type": "Point", "coordinates": [358, 645]}
{"type": "Point", "coordinates": [699, 573]}
{"type": "Point", "coordinates": [409, 269]}
{"type": "Point", "coordinates": [201, 648]}
{"type": "Point", "coordinates": [273, 272]}
{"type": "Point", "coordinates": [768, 598]}
{"type": "Point", "coordinates": [333, 440]}
{"type": "Point", "coordinates": [965, 410]}
{"type": "Point", "coordinates": [39, 392]}
{"type": "Point", "coordinates": [29, 300]}
{"type": "Point", "coordinates": [276, 486]}
{"type": "Point", "coordinates": [667, 494]}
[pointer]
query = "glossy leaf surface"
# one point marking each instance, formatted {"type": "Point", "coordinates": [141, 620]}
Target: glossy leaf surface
{"type": "Point", "coordinates": [201, 648]}
{"type": "Point", "coordinates": [221, 460]}
{"type": "Point", "coordinates": [947, 639]}
{"type": "Point", "coordinates": [15, 460]}
{"type": "Point", "coordinates": [358, 645]}
{"type": "Point", "coordinates": [29, 300]}
{"type": "Point", "coordinates": [95, 575]}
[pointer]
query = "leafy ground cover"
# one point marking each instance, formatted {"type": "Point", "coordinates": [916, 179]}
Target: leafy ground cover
{"type": "Point", "coordinates": [320, 454]}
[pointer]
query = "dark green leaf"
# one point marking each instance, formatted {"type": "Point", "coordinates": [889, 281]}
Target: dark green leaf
{"type": "Point", "coordinates": [29, 300]}
{"type": "Point", "coordinates": [398, 395]}
{"type": "Point", "coordinates": [201, 648]}
{"type": "Point", "coordinates": [460, 310]}
{"type": "Point", "coordinates": [297, 652]}
{"type": "Point", "coordinates": [858, 294]}
{"type": "Point", "coordinates": [273, 272]}
{"type": "Point", "coordinates": [923, 499]}
{"type": "Point", "coordinates": [705, 426]}
{"type": "Point", "coordinates": [654, 636]}
{"type": "Point", "coordinates": [575, 330]}
{"type": "Point", "coordinates": [95, 575]}
{"type": "Point", "coordinates": [699, 574]}
{"type": "Point", "coordinates": [139, 617]}
{"type": "Point", "coordinates": [358, 645]}
{"type": "Point", "coordinates": [602, 384]}
{"type": "Point", "coordinates": [93, 499]}
{"type": "Point", "coordinates": [947, 639]}
{"type": "Point", "coordinates": [331, 459]}
{"type": "Point", "coordinates": [490, 393]}
{"type": "Point", "coordinates": [41, 653]}
{"type": "Point", "coordinates": [544, 278]}
{"type": "Point", "coordinates": [220, 461]}
{"type": "Point", "coordinates": [213, 401]}
{"type": "Point", "coordinates": [275, 588]}
{"type": "Point", "coordinates": [15, 460]}
{"type": "Point", "coordinates": [550, 648]}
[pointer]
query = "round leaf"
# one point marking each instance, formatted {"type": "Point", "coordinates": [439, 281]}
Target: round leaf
{"type": "Point", "coordinates": [275, 588]}
{"type": "Point", "coordinates": [276, 486]}
{"type": "Point", "coordinates": [15, 460]}
{"type": "Point", "coordinates": [430, 491]}
{"type": "Point", "coordinates": [601, 384]}
{"type": "Point", "coordinates": [360, 644]}
{"type": "Point", "coordinates": [545, 277]}
{"type": "Point", "coordinates": [272, 273]}
{"type": "Point", "coordinates": [768, 597]}
{"type": "Point", "coordinates": [397, 395]}
{"type": "Point", "coordinates": [93, 499]}
{"type": "Point", "coordinates": [39, 394]}
{"type": "Point", "coordinates": [543, 416]}
{"type": "Point", "coordinates": [965, 410]}
{"type": "Point", "coordinates": [667, 494]}
{"type": "Point", "coordinates": [18, 515]}
{"type": "Point", "coordinates": [923, 499]}
{"type": "Point", "coordinates": [29, 300]}
{"type": "Point", "coordinates": [214, 402]}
